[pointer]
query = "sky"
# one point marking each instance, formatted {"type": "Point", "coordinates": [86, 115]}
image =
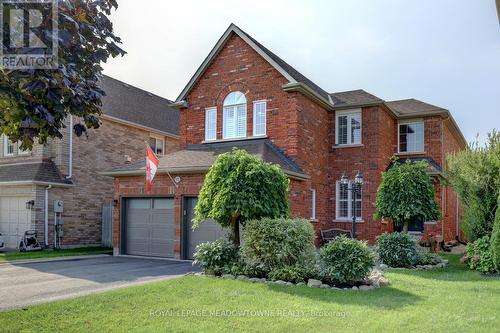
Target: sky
{"type": "Point", "coordinates": [444, 52]}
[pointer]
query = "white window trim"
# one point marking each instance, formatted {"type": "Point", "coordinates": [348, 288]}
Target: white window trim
{"type": "Point", "coordinates": [235, 107]}
{"type": "Point", "coordinates": [22, 152]}
{"type": "Point", "coordinates": [262, 101]}
{"type": "Point", "coordinates": [411, 121]}
{"type": "Point", "coordinates": [5, 147]}
{"type": "Point", "coordinates": [349, 205]}
{"type": "Point", "coordinates": [213, 108]}
{"type": "Point", "coordinates": [160, 138]}
{"type": "Point", "coordinates": [347, 113]}
{"type": "Point", "coordinates": [313, 204]}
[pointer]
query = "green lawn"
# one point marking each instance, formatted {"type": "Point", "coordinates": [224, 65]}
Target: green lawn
{"type": "Point", "coordinates": [442, 300]}
{"type": "Point", "coordinates": [9, 256]}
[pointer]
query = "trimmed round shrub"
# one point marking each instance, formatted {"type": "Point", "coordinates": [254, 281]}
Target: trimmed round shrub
{"type": "Point", "coordinates": [345, 260]}
{"type": "Point", "coordinates": [217, 257]}
{"type": "Point", "coordinates": [397, 249]}
{"type": "Point", "coordinates": [271, 244]}
{"type": "Point", "coordinates": [479, 255]}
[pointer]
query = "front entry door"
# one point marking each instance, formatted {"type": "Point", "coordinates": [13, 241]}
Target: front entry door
{"type": "Point", "coordinates": [416, 225]}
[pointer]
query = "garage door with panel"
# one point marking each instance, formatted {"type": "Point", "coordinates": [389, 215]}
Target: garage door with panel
{"type": "Point", "coordinates": [15, 219]}
{"type": "Point", "coordinates": [208, 231]}
{"type": "Point", "coordinates": [149, 227]}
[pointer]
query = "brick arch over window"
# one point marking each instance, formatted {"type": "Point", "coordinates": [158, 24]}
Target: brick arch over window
{"type": "Point", "coordinates": [229, 88]}
{"type": "Point", "coordinates": [219, 103]}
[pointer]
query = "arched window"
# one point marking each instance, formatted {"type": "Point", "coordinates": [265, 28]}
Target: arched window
{"type": "Point", "coordinates": [234, 116]}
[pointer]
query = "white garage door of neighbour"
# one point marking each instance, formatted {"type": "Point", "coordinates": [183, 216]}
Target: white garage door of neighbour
{"type": "Point", "coordinates": [15, 219]}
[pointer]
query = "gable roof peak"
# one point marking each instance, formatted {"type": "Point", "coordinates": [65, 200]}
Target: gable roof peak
{"type": "Point", "coordinates": [295, 78]}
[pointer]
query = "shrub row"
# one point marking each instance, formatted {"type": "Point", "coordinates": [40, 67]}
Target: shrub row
{"type": "Point", "coordinates": [283, 249]}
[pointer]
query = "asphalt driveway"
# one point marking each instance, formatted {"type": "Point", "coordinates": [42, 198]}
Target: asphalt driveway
{"type": "Point", "coordinates": [31, 283]}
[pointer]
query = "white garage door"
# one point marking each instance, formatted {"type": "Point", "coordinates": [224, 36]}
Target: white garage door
{"type": "Point", "coordinates": [15, 219]}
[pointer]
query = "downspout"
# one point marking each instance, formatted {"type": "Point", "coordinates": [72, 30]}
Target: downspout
{"type": "Point", "coordinates": [70, 163]}
{"type": "Point", "coordinates": [46, 211]}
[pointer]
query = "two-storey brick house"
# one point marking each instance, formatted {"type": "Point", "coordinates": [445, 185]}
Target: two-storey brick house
{"type": "Point", "coordinates": [68, 169]}
{"type": "Point", "coordinates": [243, 95]}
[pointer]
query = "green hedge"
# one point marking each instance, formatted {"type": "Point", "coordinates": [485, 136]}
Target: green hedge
{"type": "Point", "coordinates": [273, 244]}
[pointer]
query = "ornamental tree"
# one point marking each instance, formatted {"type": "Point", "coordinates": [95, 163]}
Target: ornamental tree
{"type": "Point", "coordinates": [35, 102]}
{"type": "Point", "coordinates": [406, 193]}
{"type": "Point", "coordinates": [240, 187]}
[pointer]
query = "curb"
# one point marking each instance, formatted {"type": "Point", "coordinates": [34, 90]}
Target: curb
{"type": "Point", "coordinates": [151, 258]}
{"type": "Point", "coordinates": [63, 258]}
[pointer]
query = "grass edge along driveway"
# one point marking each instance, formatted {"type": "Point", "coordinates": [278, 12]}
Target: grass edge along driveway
{"type": "Point", "coordinates": [438, 300]}
{"type": "Point", "coordinates": [80, 251]}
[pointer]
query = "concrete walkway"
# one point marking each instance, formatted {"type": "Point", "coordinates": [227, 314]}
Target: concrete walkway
{"type": "Point", "coordinates": [22, 284]}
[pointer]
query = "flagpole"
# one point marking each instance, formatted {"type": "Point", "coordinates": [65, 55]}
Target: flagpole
{"type": "Point", "coordinates": [168, 173]}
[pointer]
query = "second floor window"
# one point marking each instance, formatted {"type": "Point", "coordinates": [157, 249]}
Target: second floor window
{"type": "Point", "coordinates": [411, 137]}
{"type": "Point", "coordinates": [8, 146]}
{"type": "Point", "coordinates": [12, 148]}
{"type": "Point", "coordinates": [157, 145]}
{"type": "Point", "coordinates": [259, 118]}
{"type": "Point", "coordinates": [234, 123]}
{"type": "Point", "coordinates": [348, 127]}
{"type": "Point", "coordinates": [210, 124]}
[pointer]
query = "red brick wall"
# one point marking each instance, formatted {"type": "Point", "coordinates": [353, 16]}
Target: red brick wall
{"type": "Point", "coordinates": [371, 159]}
{"type": "Point", "coordinates": [239, 68]}
{"type": "Point", "coordinates": [162, 186]}
{"type": "Point", "coordinates": [304, 130]}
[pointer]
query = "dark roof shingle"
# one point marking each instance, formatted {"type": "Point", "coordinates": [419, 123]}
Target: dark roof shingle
{"type": "Point", "coordinates": [200, 157]}
{"type": "Point", "coordinates": [354, 97]}
{"type": "Point", "coordinates": [412, 106]}
{"type": "Point", "coordinates": [44, 172]}
{"type": "Point", "coordinates": [138, 106]}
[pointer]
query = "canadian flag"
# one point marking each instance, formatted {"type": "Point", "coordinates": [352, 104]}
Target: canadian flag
{"type": "Point", "coordinates": [152, 163]}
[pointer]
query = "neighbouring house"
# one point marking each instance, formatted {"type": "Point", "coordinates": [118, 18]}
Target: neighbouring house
{"type": "Point", "coordinates": [243, 95]}
{"type": "Point", "coordinates": [67, 169]}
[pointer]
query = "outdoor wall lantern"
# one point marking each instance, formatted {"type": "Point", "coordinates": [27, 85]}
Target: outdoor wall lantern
{"type": "Point", "coordinates": [30, 204]}
{"type": "Point", "coordinates": [355, 188]}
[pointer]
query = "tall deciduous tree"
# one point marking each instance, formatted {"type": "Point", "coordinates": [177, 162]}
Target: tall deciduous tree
{"type": "Point", "coordinates": [474, 174]}
{"type": "Point", "coordinates": [34, 103]}
{"type": "Point", "coordinates": [240, 187]}
{"type": "Point", "coordinates": [407, 193]}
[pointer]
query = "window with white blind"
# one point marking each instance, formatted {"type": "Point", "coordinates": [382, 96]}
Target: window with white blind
{"type": "Point", "coordinates": [344, 207]}
{"type": "Point", "coordinates": [348, 128]}
{"type": "Point", "coordinates": [259, 118]}
{"type": "Point", "coordinates": [313, 204]}
{"type": "Point", "coordinates": [234, 122]}
{"type": "Point", "coordinates": [411, 137]}
{"type": "Point", "coordinates": [210, 124]}
{"type": "Point", "coordinates": [8, 146]}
